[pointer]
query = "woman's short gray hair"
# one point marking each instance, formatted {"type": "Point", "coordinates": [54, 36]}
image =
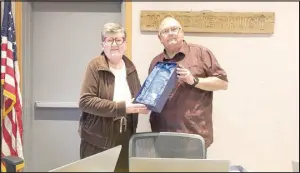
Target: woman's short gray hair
{"type": "Point", "coordinates": [112, 28]}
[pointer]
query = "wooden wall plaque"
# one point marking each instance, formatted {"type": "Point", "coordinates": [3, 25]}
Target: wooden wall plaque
{"type": "Point", "coordinates": [212, 22]}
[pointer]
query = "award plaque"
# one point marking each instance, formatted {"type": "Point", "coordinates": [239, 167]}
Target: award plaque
{"type": "Point", "coordinates": [158, 86]}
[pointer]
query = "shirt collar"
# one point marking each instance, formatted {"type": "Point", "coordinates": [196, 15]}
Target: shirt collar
{"type": "Point", "coordinates": [183, 50]}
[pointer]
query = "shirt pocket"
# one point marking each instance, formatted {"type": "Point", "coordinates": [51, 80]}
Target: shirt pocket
{"type": "Point", "coordinates": [197, 70]}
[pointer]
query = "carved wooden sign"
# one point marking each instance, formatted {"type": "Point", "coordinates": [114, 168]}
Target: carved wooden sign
{"type": "Point", "coordinates": [213, 22]}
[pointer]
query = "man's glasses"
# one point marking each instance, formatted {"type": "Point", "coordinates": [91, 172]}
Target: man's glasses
{"type": "Point", "coordinates": [172, 30]}
{"type": "Point", "coordinates": [109, 41]}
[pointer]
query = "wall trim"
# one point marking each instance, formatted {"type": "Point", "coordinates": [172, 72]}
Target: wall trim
{"type": "Point", "coordinates": [128, 27]}
{"type": "Point", "coordinates": [18, 25]}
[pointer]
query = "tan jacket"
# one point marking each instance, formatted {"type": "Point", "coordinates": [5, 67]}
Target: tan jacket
{"type": "Point", "coordinates": [101, 117]}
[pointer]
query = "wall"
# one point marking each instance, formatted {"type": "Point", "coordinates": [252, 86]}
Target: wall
{"type": "Point", "coordinates": [256, 120]}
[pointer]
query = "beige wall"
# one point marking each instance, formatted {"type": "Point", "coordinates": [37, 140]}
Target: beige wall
{"type": "Point", "coordinates": [256, 120]}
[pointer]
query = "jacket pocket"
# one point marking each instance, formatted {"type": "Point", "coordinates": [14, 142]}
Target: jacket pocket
{"type": "Point", "coordinates": [98, 126]}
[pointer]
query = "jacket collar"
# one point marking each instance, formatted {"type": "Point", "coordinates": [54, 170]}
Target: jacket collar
{"type": "Point", "coordinates": [102, 64]}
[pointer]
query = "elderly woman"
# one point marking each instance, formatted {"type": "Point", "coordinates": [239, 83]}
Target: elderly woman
{"type": "Point", "coordinates": [109, 118]}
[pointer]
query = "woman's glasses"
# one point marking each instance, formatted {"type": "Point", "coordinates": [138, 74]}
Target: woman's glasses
{"type": "Point", "coordinates": [110, 40]}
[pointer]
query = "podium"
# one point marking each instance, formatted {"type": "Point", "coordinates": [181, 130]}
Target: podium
{"type": "Point", "coordinates": [295, 165]}
{"type": "Point", "coordinates": [140, 164]}
{"type": "Point", "coordinates": [102, 162]}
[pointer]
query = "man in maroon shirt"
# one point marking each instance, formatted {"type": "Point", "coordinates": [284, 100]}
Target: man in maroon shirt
{"type": "Point", "coordinates": [189, 107]}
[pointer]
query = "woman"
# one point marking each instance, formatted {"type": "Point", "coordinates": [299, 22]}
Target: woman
{"type": "Point", "coordinates": [111, 81]}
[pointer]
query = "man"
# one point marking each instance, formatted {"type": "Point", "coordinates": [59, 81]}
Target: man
{"type": "Point", "coordinates": [109, 118]}
{"type": "Point", "coordinates": [189, 107]}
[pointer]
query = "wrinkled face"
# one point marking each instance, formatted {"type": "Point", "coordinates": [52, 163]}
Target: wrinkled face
{"type": "Point", "coordinates": [171, 35]}
{"type": "Point", "coordinates": [114, 46]}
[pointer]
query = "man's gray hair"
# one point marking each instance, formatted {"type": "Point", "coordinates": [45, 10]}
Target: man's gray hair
{"type": "Point", "coordinates": [112, 28]}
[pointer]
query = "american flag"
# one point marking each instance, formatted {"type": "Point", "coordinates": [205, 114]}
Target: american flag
{"type": "Point", "coordinates": [11, 120]}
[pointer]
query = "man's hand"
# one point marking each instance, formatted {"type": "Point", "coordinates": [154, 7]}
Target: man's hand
{"type": "Point", "coordinates": [184, 75]}
{"type": "Point", "coordinates": [136, 108]}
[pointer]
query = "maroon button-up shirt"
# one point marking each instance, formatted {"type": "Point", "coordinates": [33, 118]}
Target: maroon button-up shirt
{"type": "Point", "coordinates": [189, 109]}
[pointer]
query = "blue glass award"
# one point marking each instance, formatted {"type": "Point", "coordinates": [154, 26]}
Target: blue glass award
{"type": "Point", "coordinates": [158, 86]}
